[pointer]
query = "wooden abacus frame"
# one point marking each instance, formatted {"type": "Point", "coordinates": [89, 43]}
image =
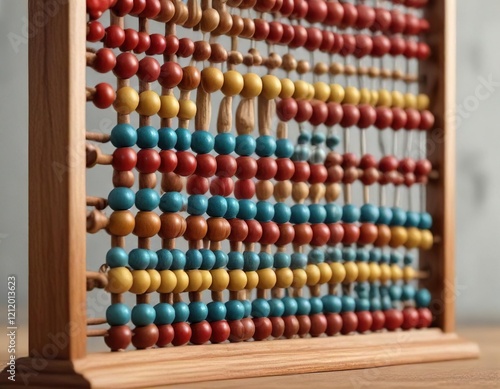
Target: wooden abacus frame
{"type": "Point", "coordinates": [57, 236]}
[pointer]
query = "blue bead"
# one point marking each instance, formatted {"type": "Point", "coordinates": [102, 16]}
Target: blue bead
{"type": "Point", "coordinates": [350, 213]}
{"type": "Point", "coordinates": [408, 259]}
{"type": "Point", "coordinates": [303, 306]}
{"type": "Point", "coordinates": [375, 304]}
{"type": "Point", "coordinates": [395, 257]}
{"type": "Point", "coordinates": [265, 146]}
{"type": "Point", "coordinates": [183, 139]}
{"type": "Point", "coordinates": [181, 312]}
{"type": "Point", "coordinates": [375, 255]}
{"type": "Point", "coordinates": [317, 138]}
{"type": "Point", "coordinates": [171, 202]}
{"type": "Point", "coordinates": [369, 213]}
{"type": "Point", "coordinates": [265, 260]}
{"type": "Point", "coordinates": [198, 311]}
{"type": "Point", "coordinates": [123, 135]}
{"type": "Point", "coordinates": [224, 143]}
{"type": "Point", "coordinates": [117, 314]}
{"type": "Point", "coordinates": [304, 138]}
{"type": "Point", "coordinates": [276, 307]}
{"type": "Point", "coordinates": [165, 314]}
{"type": "Point", "coordinates": [216, 311]}
{"type": "Point", "coordinates": [385, 258]}
{"type": "Point", "coordinates": [248, 307]}
{"type": "Point", "coordinates": [331, 304]}
{"type": "Point", "coordinates": [178, 260]}
{"type": "Point", "coordinates": [385, 216]}
{"type": "Point", "coordinates": [245, 145]}
{"type": "Point", "coordinates": [217, 206]}
{"type": "Point", "coordinates": [147, 199]}
{"type": "Point", "coordinates": [235, 260]}
{"type": "Point", "coordinates": [153, 259]}
{"type": "Point", "coordinates": [386, 303]}
{"type": "Point", "coordinates": [235, 310]}
{"type": "Point", "coordinates": [202, 142]}
{"type": "Point", "coordinates": [282, 213]}
{"type": "Point", "coordinates": [425, 221]}
{"type": "Point", "coordinates": [265, 211]}
{"type": "Point", "coordinates": [281, 260]}
{"type": "Point", "coordinates": [116, 257]}
{"type": "Point", "coordinates": [208, 259]}
{"type": "Point", "coordinates": [233, 207]}
{"type": "Point", "coordinates": [298, 261]}
{"type": "Point", "coordinates": [332, 141]}
{"type": "Point", "coordinates": [193, 259]}
{"type": "Point", "coordinates": [138, 259]}
{"type": "Point", "coordinates": [412, 219]}
{"type": "Point", "coordinates": [221, 259]}
{"type": "Point", "coordinates": [398, 217]}
{"type": "Point", "coordinates": [300, 214]}
{"type": "Point", "coordinates": [251, 261]}
{"type": "Point", "coordinates": [333, 213]}
{"type": "Point", "coordinates": [395, 292]}
{"type": "Point", "coordinates": [147, 137]}
{"type": "Point", "coordinates": [197, 204]}
{"type": "Point", "coordinates": [316, 256]}
{"type": "Point", "coordinates": [121, 198]}
{"type": "Point", "coordinates": [167, 138]}
{"type": "Point", "coordinates": [143, 315]}
{"type": "Point", "coordinates": [317, 213]}
{"type": "Point", "coordinates": [260, 308]}
{"type": "Point", "coordinates": [301, 153]}
{"type": "Point", "coordinates": [316, 305]}
{"type": "Point", "coordinates": [362, 255]}
{"type": "Point", "coordinates": [333, 254]}
{"type": "Point", "coordinates": [374, 291]}
{"type": "Point", "coordinates": [284, 148]}
{"type": "Point", "coordinates": [348, 254]}
{"type": "Point", "coordinates": [408, 292]}
{"type": "Point", "coordinates": [362, 304]}
{"type": "Point", "coordinates": [290, 306]}
{"type": "Point", "coordinates": [248, 210]}
{"type": "Point", "coordinates": [362, 289]}
{"type": "Point", "coordinates": [348, 304]}
{"type": "Point", "coordinates": [423, 298]}
{"type": "Point", "coordinates": [165, 259]}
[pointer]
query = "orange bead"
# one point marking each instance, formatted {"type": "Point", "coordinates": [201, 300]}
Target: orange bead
{"type": "Point", "coordinates": [147, 224]}
{"type": "Point", "coordinates": [173, 225]}
{"type": "Point", "coordinates": [384, 236]}
{"type": "Point", "coordinates": [121, 223]}
{"type": "Point", "coordinates": [196, 228]}
{"type": "Point", "coordinates": [218, 229]}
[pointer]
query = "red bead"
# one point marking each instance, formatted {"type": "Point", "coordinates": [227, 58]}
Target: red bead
{"type": "Point", "coordinates": [123, 7]}
{"type": "Point", "coordinates": [95, 31]}
{"type": "Point", "coordinates": [143, 43]}
{"type": "Point", "coordinates": [148, 161]}
{"type": "Point", "coordinates": [247, 168]}
{"type": "Point", "coordinates": [314, 39]}
{"type": "Point", "coordinates": [172, 44]}
{"type": "Point", "coordinates": [338, 42]}
{"type": "Point", "coordinates": [287, 234]}
{"type": "Point", "coordinates": [384, 117]}
{"type": "Point", "coordinates": [333, 323]}
{"type": "Point", "coordinates": [399, 118]}
{"type": "Point", "coordinates": [131, 40]}
{"type": "Point", "coordinates": [278, 327]}
{"type": "Point", "coordinates": [265, 5]}
{"type": "Point", "coordinates": [327, 41]}
{"type": "Point", "coordinates": [299, 36]}
{"type": "Point", "coordinates": [317, 11]}
{"type": "Point", "coordinates": [118, 337]}
{"type": "Point", "coordinates": [349, 322]}
{"type": "Point", "coordinates": [270, 233]}
{"type": "Point", "coordinates": [220, 331]}
{"type": "Point", "coordinates": [368, 233]}
{"type": "Point", "coordinates": [335, 174]}
{"type": "Point", "coordinates": [366, 17]}
{"type": "Point", "coordinates": [249, 328]}
{"type": "Point", "coordinates": [266, 168]}
{"type": "Point", "coordinates": [333, 159]}
{"type": "Point", "coordinates": [115, 36]}
{"type": "Point", "coordinates": [365, 321]}
{"type": "Point", "coordinates": [151, 10]}
{"type": "Point", "coordinates": [364, 45]}
{"type": "Point", "coordinates": [186, 48]}
{"type": "Point", "coordinates": [351, 115]}
{"type": "Point", "coordinates": [398, 22]}
{"type": "Point", "coordinates": [367, 116]}
{"type": "Point", "coordinates": [398, 45]}
{"type": "Point", "coordinates": [275, 32]}
{"type": "Point", "coordinates": [222, 186]}
{"type": "Point", "coordinates": [367, 161]}
{"type": "Point", "coordinates": [351, 233]}
{"type": "Point", "coordinates": [126, 66]}
{"type": "Point", "coordinates": [104, 61]}
{"type": "Point", "coordinates": [291, 326]}
{"type": "Point", "coordinates": [244, 189]}
{"type": "Point", "coordinates": [424, 25]}
{"type": "Point", "coordinates": [318, 324]}
{"type": "Point", "coordinates": [149, 69]}
{"type": "Point", "coordinates": [165, 335]}
{"type": "Point", "coordinates": [406, 165]}
{"type": "Point", "coordinates": [261, 30]}
{"type": "Point", "coordinates": [318, 173]}
{"type": "Point", "coordinates": [104, 95]}
{"type": "Point", "coordinates": [388, 163]}
{"type": "Point", "coordinates": [335, 114]}
{"type": "Point", "coordinates": [285, 169]}
{"type": "Point", "coordinates": [304, 111]}
{"type": "Point", "coordinates": [300, 9]}
{"type": "Point", "coordinates": [139, 6]}
{"type": "Point", "coordinates": [393, 319]}
{"type": "Point", "coordinates": [206, 165]}
{"type": "Point", "coordinates": [410, 318]}
{"type": "Point", "coordinates": [426, 120]}
{"type": "Point", "coordinates": [381, 45]}
{"type": "Point", "coordinates": [409, 179]}
{"type": "Point", "coordinates": [349, 160]}
{"type": "Point", "coordinates": [303, 234]}
{"type": "Point", "coordinates": [423, 167]}
{"type": "Point", "coordinates": [239, 230]}
{"type": "Point", "coordinates": [288, 34]}
{"type": "Point", "coordinates": [321, 234]}
{"type": "Point", "coordinates": [170, 75]}
{"type": "Point", "coordinates": [201, 332]}
{"type": "Point", "coordinates": [226, 166]}
{"type": "Point", "coordinates": [124, 159]}
{"type": "Point", "coordinates": [237, 331]}
{"type": "Point", "coordinates": [145, 337]}
{"type": "Point", "coordinates": [186, 163]}
{"type": "Point", "coordinates": [412, 25]}
{"type": "Point", "coordinates": [319, 112]}
{"type": "Point", "coordinates": [411, 49]}
{"type": "Point", "coordinates": [350, 15]}
{"type": "Point", "coordinates": [286, 8]}
{"type": "Point", "coordinates": [302, 171]}
{"type": "Point", "coordinates": [197, 184]}
{"type": "Point", "coordinates": [424, 317]}
{"type": "Point", "coordinates": [182, 333]}
{"type": "Point", "coordinates": [254, 231]}
{"type": "Point", "coordinates": [158, 44]}
{"type": "Point", "coordinates": [304, 325]}
{"type": "Point", "coordinates": [263, 328]}
{"type": "Point", "coordinates": [383, 19]}
{"type": "Point", "coordinates": [336, 233]}
{"type": "Point", "coordinates": [334, 14]}
{"type": "Point", "coordinates": [349, 45]}
{"type": "Point", "coordinates": [378, 321]}
{"type": "Point", "coordinates": [168, 161]}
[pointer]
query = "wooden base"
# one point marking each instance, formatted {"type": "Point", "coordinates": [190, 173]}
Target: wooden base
{"type": "Point", "coordinates": [135, 369]}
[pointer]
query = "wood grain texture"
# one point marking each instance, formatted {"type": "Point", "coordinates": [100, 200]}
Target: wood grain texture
{"type": "Point", "coordinates": [438, 80]}
{"type": "Point", "coordinates": [57, 180]}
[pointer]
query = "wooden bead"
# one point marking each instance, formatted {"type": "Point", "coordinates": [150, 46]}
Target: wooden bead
{"type": "Point", "coordinates": [119, 280]}
{"type": "Point", "coordinates": [220, 331]}
{"type": "Point", "coordinates": [299, 278]}
{"type": "Point", "coordinates": [284, 277]}
{"type": "Point", "coordinates": [220, 280]}
{"type": "Point", "coordinates": [313, 274]}
{"type": "Point", "coordinates": [399, 236]}
{"type": "Point", "coordinates": [278, 327]}
{"type": "Point", "coordinates": [118, 337]}
{"type": "Point", "coordinates": [209, 20]}
{"type": "Point", "coordinates": [427, 240]}
{"type": "Point", "coordinates": [169, 107]}
{"type": "Point", "coordinates": [300, 191]}
{"type": "Point", "coordinates": [287, 88]}
{"type": "Point", "coordinates": [225, 23]}
{"type": "Point", "coordinates": [233, 83]}
{"type": "Point", "coordinates": [147, 224]}
{"type": "Point", "coordinates": [149, 103]}
{"type": "Point", "coordinates": [383, 236]}
{"type": "Point", "coordinates": [332, 192]}
{"type": "Point", "coordinates": [349, 322]}
{"type": "Point", "coordinates": [187, 109]}
{"type": "Point", "coordinates": [304, 325]}
{"type": "Point", "coordinates": [196, 228]}
{"type": "Point", "coordinates": [141, 281]}
{"type": "Point", "coordinates": [351, 272]}
{"type": "Point", "coordinates": [123, 178]}
{"type": "Point", "coordinates": [195, 280]}
{"type": "Point", "coordinates": [182, 333]}
{"type": "Point", "coordinates": [168, 281]}
{"type": "Point", "coordinates": [271, 87]}
{"type": "Point", "coordinates": [173, 226]}
{"type": "Point", "coordinates": [252, 280]}
{"type": "Point", "coordinates": [338, 273]}
{"type": "Point", "coordinates": [264, 189]}
{"type": "Point", "coordinates": [182, 281]}
{"type": "Point", "coordinates": [212, 79]}
{"type": "Point", "coordinates": [237, 280]}
{"type": "Point", "coordinates": [218, 229]}
{"type": "Point", "coordinates": [291, 326]}
{"type": "Point", "coordinates": [127, 100]}
{"type": "Point", "coordinates": [121, 223]}
{"type": "Point", "coordinates": [190, 78]}
{"type": "Point", "coordinates": [252, 85]}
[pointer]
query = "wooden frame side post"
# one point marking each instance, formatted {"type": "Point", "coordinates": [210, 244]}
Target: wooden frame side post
{"type": "Point", "coordinates": [57, 229]}
{"type": "Point", "coordinates": [438, 79]}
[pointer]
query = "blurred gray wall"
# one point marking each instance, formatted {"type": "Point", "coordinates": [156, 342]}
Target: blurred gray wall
{"type": "Point", "coordinates": [478, 158]}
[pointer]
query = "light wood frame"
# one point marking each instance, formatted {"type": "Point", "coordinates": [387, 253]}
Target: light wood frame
{"type": "Point", "coordinates": [57, 234]}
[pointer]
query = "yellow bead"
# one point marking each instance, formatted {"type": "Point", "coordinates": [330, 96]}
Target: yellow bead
{"type": "Point", "coordinates": [141, 283]}
{"type": "Point", "coordinates": [414, 238]}
{"type": "Point", "coordinates": [271, 87]}
{"type": "Point", "coordinates": [365, 96]}
{"type": "Point", "coordinates": [351, 272]}
{"type": "Point", "coordinates": [220, 280]}
{"type": "Point", "coordinates": [408, 273]}
{"type": "Point", "coordinates": [155, 277]}
{"type": "Point", "coordinates": [352, 95]}
{"type": "Point", "coordinates": [313, 274]}
{"type": "Point", "coordinates": [149, 103]}
{"type": "Point", "coordinates": [398, 99]}
{"type": "Point", "coordinates": [284, 277]}
{"type": "Point", "coordinates": [187, 109]}
{"type": "Point", "coordinates": [337, 93]}
{"type": "Point", "coordinates": [169, 107]}
{"type": "Point", "coordinates": [399, 236]}
{"type": "Point", "coordinates": [127, 100]}
{"type": "Point", "coordinates": [206, 280]}
{"type": "Point", "coordinates": [299, 278]}
{"type": "Point", "coordinates": [212, 79]}
{"type": "Point", "coordinates": [396, 272]}
{"type": "Point", "coordinates": [374, 97]}
{"type": "Point", "coordinates": [363, 272]}
{"type": "Point", "coordinates": [195, 280]}
{"type": "Point", "coordinates": [168, 281]}
{"type": "Point", "coordinates": [287, 88]}
{"type": "Point", "coordinates": [182, 281]}
{"type": "Point", "coordinates": [422, 102]}
{"type": "Point", "coordinates": [310, 93]}
{"type": "Point", "coordinates": [384, 98]}
{"type": "Point", "coordinates": [237, 280]}
{"type": "Point", "coordinates": [301, 90]}
{"type": "Point", "coordinates": [410, 100]}
{"type": "Point", "coordinates": [325, 273]}
{"type": "Point", "coordinates": [267, 278]}
{"type": "Point", "coordinates": [427, 240]}
{"type": "Point", "coordinates": [321, 91]}
{"type": "Point", "coordinates": [385, 273]}
{"type": "Point", "coordinates": [233, 83]}
{"type": "Point", "coordinates": [252, 85]}
{"type": "Point", "coordinates": [338, 273]}
{"type": "Point", "coordinates": [375, 272]}
{"type": "Point", "coordinates": [252, 280]}
{"type": "Point", "coordinates": [119, 280]}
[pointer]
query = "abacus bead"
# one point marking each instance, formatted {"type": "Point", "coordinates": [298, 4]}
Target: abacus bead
{"type": "Point", "coordinates": [147, 224]}
{"type": "Point", "coordinates": [119, 280]}
{"type": "Point", "coordinates": [95, 31]}
{"type": "Point", "coordinates": [118, 337]}
{"type": "Point", "coordinates": [365, 321]}
{"type": "Point", "coordinates": [145, 337]}
{"type": "Point", "coordinates": [165, 335]}
{"type": "Point", "coordinates": [121, 223]}
{"type": "Point", "coordinates": [182, 333]}
{"type": "Point", "coordinates": [143, 42]}
{"type": "Point", "coordinates": [393, 319]}
{"type": "Point", "coordinates": [104, 95]}
{"type": "Point", "coordinates": [115, 36]}
{"type": "Point", "coordinates": [424, 317]}
{"type": "Point", "coordinates": [351, 115]}
{"type": "Point", "coordinates": [171, 75]}
{"type": "Point", "coordinates": [149, 103]}
{"type": "Point", "coordinates": [349, 322]}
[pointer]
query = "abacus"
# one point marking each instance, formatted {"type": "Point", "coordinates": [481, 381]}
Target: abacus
{"type": "Point", "coordinates": [280, 195]}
